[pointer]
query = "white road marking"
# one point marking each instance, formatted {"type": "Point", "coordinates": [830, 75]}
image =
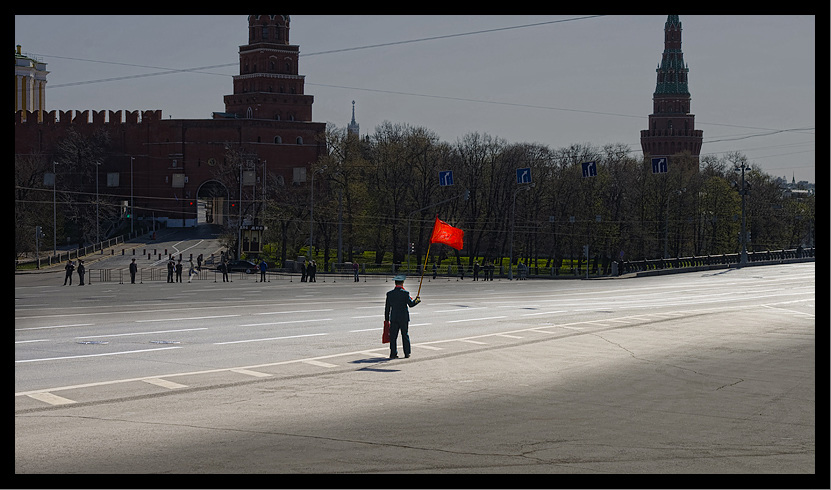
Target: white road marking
{"type": "Point", "coordinates": [140, 333]}
{"type": "Point", "coordinates": [427, 346]}
{"type": "Point", "coordinates": [170, 385]}
{"type": "Point", "coordinates": [51, 399]}
{"type": "Point", "coordinates": [94, 355]}
{"type": "Point", "coordinates": [28, 341]}
{"type": "Point", "coordinates": [249, 372]}
{"type": "Point", "coordinates": [543, 313]}
{"type": "Point", "coordinates": [186, 318]}
{"type": "Point", "coordinates": [286, 312]}
{"type": "Point", "coordinates": [460, 309]}
{"type": "Point", "coordinates": [319, 363]}
{"type": "Point", "coordinates": [46, 393]}
{"type": "Point", "coordinates": [56, 326]}
{"type": "Point", "coordinates": [476, 319]}
{"type": "Point", "coordinates": [286, 322]}
{"type": "Point", "coordinates": [270, 338]}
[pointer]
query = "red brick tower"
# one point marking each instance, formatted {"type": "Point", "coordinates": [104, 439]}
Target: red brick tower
{"type": "Point", "coordinates": [268, 86]}
{"type": "Point", "coordinates": [671, 125]}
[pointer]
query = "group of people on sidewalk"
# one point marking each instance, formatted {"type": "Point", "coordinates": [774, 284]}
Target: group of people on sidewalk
{"type": "Point", "coordinates": [174, 268]}
{"type": "Point", "coordinates": [70, 267]}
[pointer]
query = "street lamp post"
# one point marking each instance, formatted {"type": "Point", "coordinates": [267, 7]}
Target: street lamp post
{"type": "Point", "coordinates": [132, 207]}
{"type": "Point", "coordinates": [743, 192]}
{"type": "Point", "coordinates": [97, 233]}
{"type": "Point", "coordinates": [511, 239]}
{"type": "Point", "coordinates": [312, 212]}
{"type": "Point", "coordinates": [54, 209]}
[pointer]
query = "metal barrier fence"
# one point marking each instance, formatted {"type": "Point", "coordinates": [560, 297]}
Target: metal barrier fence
{"type": "Point", "coordinates": [385, 272]}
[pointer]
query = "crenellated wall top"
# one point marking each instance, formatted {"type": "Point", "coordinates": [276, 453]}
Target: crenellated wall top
{"type": "Point", "coordinates": [83, 117]}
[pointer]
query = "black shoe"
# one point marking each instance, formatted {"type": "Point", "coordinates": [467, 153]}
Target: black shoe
{"type": "Point", "coordinates": [393, 357]}
{"type": "Point", "coordinates": [406, 356]}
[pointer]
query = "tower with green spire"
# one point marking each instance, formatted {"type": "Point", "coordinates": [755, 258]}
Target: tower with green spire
{"type": "Point", "coordinates": [671, 125]}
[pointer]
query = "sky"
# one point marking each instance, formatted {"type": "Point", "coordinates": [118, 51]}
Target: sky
{"type": "Point", "coordinates": [554, 80]}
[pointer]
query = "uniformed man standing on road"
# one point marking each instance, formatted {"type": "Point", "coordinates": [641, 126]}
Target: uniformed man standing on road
{"type": "Point", "coordinates": [397, 313]}
{"type": "Point", "coordinates": [133, 270]}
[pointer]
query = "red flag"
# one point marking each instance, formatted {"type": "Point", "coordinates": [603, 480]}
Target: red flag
{"type": "Point", "coordinates": [446, 234]}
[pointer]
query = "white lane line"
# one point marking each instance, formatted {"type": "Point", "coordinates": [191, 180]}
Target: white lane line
{"type": "Point", "coordinates": [543, 313]}
{"type": "Point", "coordinates": [789, 311]}
{"type": "Point", "coordinates": [270, 338]}
{"type": "Point", "coordinates": [419, 324]}
{"type": "Point", "coordinates": [186, 318]}
{"type": "Point", "coordinates": [508, 336]}
{"type": "Point", "coordinates": [365, 316]}
{"type": "Point", "coordinates": [427, 346]}
{"type": "Point", "coordinates": [170, 385]}
{"type": "Point", "coordinates": [319, 363]}
{"type": "Point", "coordinates": [461, 309]}
{"type": "Point", "coordinates": [141, 333]}
{"type": "Point", "coordinates": [56, 326]}
{"type": "Point", "coordinates": [94, 355]}
{"type": "Point", "coordinates": [476, 319]}
{"type": "Point", "coordinates": [473, 341]}
{"type": "Point", "coordinates": [366, 330]}
{"type": "Point", "coordinates": [285, 323]}
{"type": "Point", "coordinates": [51, 399]}
{"type": "Point", "coordinates": [286, 312]}
{"type": "Point", "coordinates": [249, 372]}
{"type": "Point", "coordinates": [28, 341]}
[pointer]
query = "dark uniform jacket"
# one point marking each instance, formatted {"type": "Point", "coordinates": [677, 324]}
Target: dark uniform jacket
{"type": "Point", "coordinates": [395, 309]}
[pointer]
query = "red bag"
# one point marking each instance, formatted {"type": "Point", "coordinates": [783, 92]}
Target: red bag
{"type": "Point", "coordinates": [385, 337]}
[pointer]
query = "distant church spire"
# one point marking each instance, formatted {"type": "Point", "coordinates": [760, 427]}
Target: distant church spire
{"type": "Point", "coordinates": [354, 127]}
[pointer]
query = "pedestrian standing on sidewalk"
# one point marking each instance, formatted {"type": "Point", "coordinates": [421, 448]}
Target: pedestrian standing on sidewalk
{"type": "Point", "coordinates": [179, 271]}
{"type": "Point", "coordinates": [133, 270]}
{"type": "Point", "coordinates": [81, 271]}
{"type": "Point", "coordinates": [263, 268]}
{"type": "Point", "coordinates": [170, 267]}
{"type": "Point", "coordinates": [224, 268]}
{"type": "Point", "coordinates": [69, 269]}
{"type": "Point", "coordinates": [191, 270]}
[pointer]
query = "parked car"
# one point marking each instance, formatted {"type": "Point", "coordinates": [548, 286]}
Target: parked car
{"type": "Point", "coordinates": [242, 266]}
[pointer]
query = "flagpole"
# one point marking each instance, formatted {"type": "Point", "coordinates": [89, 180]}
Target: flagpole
{"type": "Point", "coordinates": [423, 269]}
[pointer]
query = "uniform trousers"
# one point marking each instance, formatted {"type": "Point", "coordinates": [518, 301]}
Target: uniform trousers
{"type": "Point", "coordinates": [402, 327]}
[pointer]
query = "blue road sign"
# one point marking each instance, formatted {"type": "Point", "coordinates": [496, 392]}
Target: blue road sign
{"type": "Point", "coordinates": [590, 169]}
{"type": "Point", "coordinates": [659, 165]}
{"type": "Point", "coordinates": [523, 175]}
{"type": "Point", "coordinates": [445, 177]}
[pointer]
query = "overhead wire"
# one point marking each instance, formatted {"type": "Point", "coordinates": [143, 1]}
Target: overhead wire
{"type": "Point", "coordinates": [200, 70]}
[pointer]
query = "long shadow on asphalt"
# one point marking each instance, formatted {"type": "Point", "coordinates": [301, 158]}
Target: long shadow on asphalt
{"type": "Point", "coordinates": [375, 360]}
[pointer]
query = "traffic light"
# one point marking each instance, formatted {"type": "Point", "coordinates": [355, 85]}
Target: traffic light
{"type": "Point", "coordinates": [586, 251]}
